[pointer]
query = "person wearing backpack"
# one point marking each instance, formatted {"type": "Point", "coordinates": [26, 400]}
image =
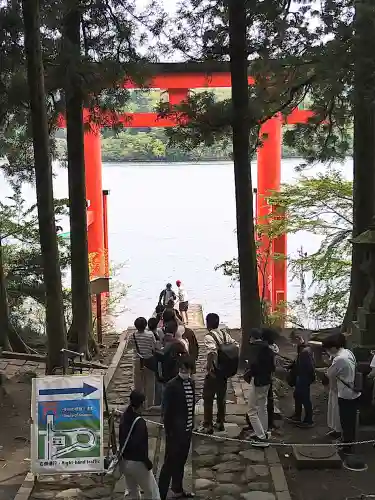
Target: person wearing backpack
{"type": "Point", "coordinates": [344, 371]}
{"type": "Point", "coordinates": [222, 363]}
{"type": "Point", "coordinates": [167, 295]}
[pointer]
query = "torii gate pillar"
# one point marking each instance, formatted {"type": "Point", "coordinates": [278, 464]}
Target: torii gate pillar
{"type": "Point", "coordinates": [94, 194]}
{"type": "Point", "coordinates": [272, 272]}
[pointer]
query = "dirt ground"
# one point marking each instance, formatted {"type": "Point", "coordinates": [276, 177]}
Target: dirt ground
{"type": "Point", "coordinates": [14, 437]}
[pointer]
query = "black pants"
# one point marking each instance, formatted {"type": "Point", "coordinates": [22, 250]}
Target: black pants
{"type": "Point", "coordinates": [176, 453]}
{"type": "Point", "coordinates": [214, 386]}
{"type": "Point", "coordinates": [302, 399]}
{"type": "Point", "coordinates": [270, 407]}
{"type": "Point", "coordinates": [348, 419]}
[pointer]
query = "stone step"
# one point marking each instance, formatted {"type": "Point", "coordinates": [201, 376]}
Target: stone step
{"type": "Point", "coordinates": [195, 316]}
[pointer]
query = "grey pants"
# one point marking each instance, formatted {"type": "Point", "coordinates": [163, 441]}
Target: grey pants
{"type": "Point", "coordinates": [144, 381]}
{"type": "Point", "coordinates": [138, 478]}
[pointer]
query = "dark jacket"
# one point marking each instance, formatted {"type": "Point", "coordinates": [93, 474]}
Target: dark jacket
{"type": "Point", "coordinates": [175, 410]}
{"type": "Point", "coordinates": [170, 358]}
{"type": "Point", "coordinates": [304, 366]}
{"type": "Point", "coordinates": [137, 447]}
{"type": "Point", "coordinates": [261, 363]}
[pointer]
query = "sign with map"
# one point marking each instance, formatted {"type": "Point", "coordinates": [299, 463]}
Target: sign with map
{"type": "Point", "coordinates": [67, 424]}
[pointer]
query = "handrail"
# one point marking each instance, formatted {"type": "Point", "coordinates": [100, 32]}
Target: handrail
{"type": "Point", "coordinates": [73, 353]}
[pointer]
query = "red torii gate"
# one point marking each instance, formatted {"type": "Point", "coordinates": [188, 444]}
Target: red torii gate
{"type": "Point", "coordinates": [176, 82]}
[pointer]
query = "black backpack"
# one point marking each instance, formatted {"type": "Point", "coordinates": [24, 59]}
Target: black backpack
{"type": "Point", "coordinates": [168, 362]}
{"type": "Point", "coordinates": [228, 355]}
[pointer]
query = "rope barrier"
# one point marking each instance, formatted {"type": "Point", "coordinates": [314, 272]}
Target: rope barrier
{"type": "Point", "coordinates": [270, 443]}
{"type": "Point", "coordinates": [280, 444]}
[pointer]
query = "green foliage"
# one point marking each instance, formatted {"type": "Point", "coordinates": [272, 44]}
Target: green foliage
{"type": "Point", "coordinates": [22, 257]}
{"type": "Point", "coordinates": [329, 135]}
{"type": "Point", "coordinates": [156, 144]}
{"type": "Point", "coordinates": [109, 55]}
{"type": "Point", "coordinates": [321, 205]}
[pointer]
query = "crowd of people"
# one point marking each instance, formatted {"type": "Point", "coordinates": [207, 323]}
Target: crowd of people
{"type": "Point", "coordinates": [165, 358]}
{"type": "Point", "coordinates": [345, 386]}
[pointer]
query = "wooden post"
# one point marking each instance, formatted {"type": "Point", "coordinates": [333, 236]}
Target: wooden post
{"type": "Point", "coordinates": [99, 325]}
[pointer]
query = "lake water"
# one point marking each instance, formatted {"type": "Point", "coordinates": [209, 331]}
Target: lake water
{"type": "Point", "coordinates": [177, 221]}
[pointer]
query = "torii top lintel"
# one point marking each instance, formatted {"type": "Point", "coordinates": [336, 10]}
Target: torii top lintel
{"type": "Point", "coordinates": [177, 79]}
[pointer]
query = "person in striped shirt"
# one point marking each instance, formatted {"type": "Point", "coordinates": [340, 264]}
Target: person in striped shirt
{"type": "Point", "coordinates": [178, 417]}
{"type": "Point", "coordinates": [144, 344]}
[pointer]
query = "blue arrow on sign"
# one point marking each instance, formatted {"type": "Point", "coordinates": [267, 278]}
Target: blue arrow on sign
{"type": "Point", "coordinates": [85, 390]}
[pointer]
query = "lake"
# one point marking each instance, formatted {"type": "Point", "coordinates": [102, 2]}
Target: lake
{"type": "Point", "coordinates": [177, 221]}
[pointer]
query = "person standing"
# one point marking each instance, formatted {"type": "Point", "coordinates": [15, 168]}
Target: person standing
{"type": "Point", "coordinates": [170, 307]}
{"type": "Point", "coordinates": [159, 337]}
{"type": "Point", "coordinates": [269, 335]}
{"type": "Point", "coordinates": [136, 465]}
{"type": "Point", "coordinates": [333, 412]}
{"type": "Point", "coordinates": [183, 302]}
{"type": "Point", "coordinates": [343, 371]}
{"type": "Point", "coordinates": [173, 350]}
{"type": "Point", "coordinates": [178, 417]}
{"type": "Point", "coordinates": [192, 344]}
{"type": "Point", "coordinates": [261, 366]}
{"type": "Point", "coordinates": [144, 345]}
{"type": "Point", "coordinates": [153, 327]}
{"type": "Point", "coordinates": [303, 375]}
{"type": "Point", "coordinates": [167, 295]}
{"type": "Point", "coordinates": [216, 379]}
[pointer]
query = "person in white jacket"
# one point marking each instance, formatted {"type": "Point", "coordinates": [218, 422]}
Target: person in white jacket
{"type": "Point", "coordinates": [333, 413]}
{"type": "Point", "coordinates": [342, 370]}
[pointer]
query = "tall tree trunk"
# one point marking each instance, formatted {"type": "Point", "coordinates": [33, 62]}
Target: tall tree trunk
{"type": "Point", "coordinates": [4, 310]}
{"type": "Point", "coordinates": [81, 308]}
{"type": "Point", "coordinates": [56, 331]}
{"type": "Point", "coordinates": [249, 292]}
{"type": "Point", "coordinates": [364, 145]}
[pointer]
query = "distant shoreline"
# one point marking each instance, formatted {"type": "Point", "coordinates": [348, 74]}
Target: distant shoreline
{"type": "Point", "coordinates": [196, 162]}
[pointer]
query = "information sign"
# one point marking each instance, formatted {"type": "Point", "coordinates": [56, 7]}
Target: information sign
{"type": "Point", "coordinates": [67, 424]}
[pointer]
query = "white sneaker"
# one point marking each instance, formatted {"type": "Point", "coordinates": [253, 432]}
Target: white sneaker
{"type": "Point", "coordinates": [259, 442]}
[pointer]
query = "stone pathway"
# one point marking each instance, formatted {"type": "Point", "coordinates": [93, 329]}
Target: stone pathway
{"type": "Point", "coordinates": [215, 470]}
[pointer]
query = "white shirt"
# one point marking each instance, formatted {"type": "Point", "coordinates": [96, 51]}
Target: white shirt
{"type": "Point", "coordinates": [210, 343]}
{"type": "Point", "coordinates": [343, 368]}
{"type": "Point", "coordinates": [182, 295]}
{"type": "Point", "coordinates": [372, 364]}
